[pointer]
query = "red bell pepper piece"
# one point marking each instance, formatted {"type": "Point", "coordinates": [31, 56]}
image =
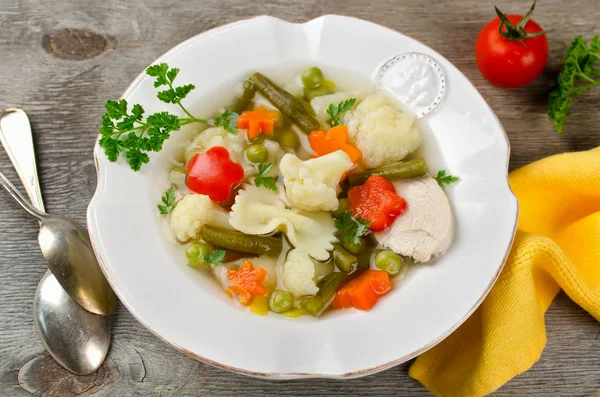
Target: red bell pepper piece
{"type": "Point", "coordinates": [214, 174]}
{"type": "Point", "coordinates": [376, 201]}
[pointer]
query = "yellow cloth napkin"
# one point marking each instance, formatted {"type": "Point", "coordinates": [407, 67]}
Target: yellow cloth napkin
{"type": "Point", "coordinates": [557, 246]}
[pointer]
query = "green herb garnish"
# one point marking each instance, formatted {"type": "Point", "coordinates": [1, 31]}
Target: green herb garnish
{"type": "Point", "coordinates": [215, 258]}
{"type": "Point", "coordinates": [335, 111]}
{"type": "Point", "coordinates": [125, 131]}
{"type": "Point", "coordinates": [351, 228]}
{"type": "Point", "coordinates": [227, 120]}
{"type": "Point", "coordinates": [267, 181]}
{"type": "Point", "coordinates": [578, 74]}
{"type": "Point", "coordinates": [443, 179]}
{"type": "Point", "coordinates": [169, 201]}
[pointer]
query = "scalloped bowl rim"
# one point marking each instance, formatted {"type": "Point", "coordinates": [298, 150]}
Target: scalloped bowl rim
{"type": "Point", "coordinates": [100, 193]}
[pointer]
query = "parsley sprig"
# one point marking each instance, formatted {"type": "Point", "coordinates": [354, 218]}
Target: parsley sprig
{"type": "Point", "coordinates": [169, 200]}
{"type": "Point", "coordinates": [125, 131]}
{"type": "Point", "coordinates": [445, 179]}
{"type": "Point", "coordinates": [214, 258]}
{"type": "Point", "coordinates": [578, 74]}
{"type": "Point", "coordinates": [227, 120]}
{"type": "Point", "coordinates": [335, 111]}
{"type": "Point", "coordinates": [351, 228]}
{"type": "Point", "coordinates": [267, 181]}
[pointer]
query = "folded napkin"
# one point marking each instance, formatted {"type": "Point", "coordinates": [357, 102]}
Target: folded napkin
{"type": "Point", "coordinates": [557, 246]}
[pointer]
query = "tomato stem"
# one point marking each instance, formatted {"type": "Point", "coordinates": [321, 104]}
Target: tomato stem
{"type": "Point", "coordinates": [516, 32]}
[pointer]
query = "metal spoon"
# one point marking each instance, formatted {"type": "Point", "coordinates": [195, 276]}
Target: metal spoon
{"type": "Point", "coordinates": [65, 244]}
{"type": "Point", "coordinates": [77, 339]}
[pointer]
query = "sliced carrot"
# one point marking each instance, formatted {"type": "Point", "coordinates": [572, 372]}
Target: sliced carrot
{"type": "Point", "coordinates": [363, 291]}
{"type": "Point", "coordinates": [246, 282]}
{"type": "Point", "coordinates": [333, 140]}
{"type": "Point", "coordinates": [257, 121]}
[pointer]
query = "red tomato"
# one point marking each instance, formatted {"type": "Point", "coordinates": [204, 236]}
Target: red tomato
{"type": "Point", "coordinates": [514, 57]}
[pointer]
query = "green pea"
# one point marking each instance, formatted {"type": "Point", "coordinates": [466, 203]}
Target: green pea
{"type": "Point", "coordinates": [289, 139]}
{"type": "Point", "coordinates": [342, 207]}
{"type": "Point", "coordinates": [195, 253]}
{"type": "Point", "coordinates": [355, 248]}
{"type": "Point", "coordinates": [389, 261]}
{"type": "Point", "coordinates": [257, 153]}
{"type": "Point", "coordinates": [260, 138]}
{"type": "Point", "coordinates": [312, 77]}
{"type": "Point", "coordinates": [311, 93]}
{"type": "Point", "coordinates": [282, 121]}
{"type": "Point", "coordinates": [281, 301]}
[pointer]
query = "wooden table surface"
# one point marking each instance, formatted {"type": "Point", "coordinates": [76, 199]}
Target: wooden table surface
{"type": "Point", "coordinates": [63, 88]}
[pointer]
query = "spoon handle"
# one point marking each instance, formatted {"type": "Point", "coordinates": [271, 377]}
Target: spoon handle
{"type": "Point", "coordinates": [12, 190]}
{"type": "Point", "coordinates": [16, 137]}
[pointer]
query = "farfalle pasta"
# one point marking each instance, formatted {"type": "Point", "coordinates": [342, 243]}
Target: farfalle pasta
{"type": "Point", "coordinates": [259, 211]}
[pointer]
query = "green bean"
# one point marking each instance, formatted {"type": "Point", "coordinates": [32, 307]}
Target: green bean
{"type": "Point", "coordinates": [286, 103]}
{"type": "Point", "coordinates": [343, 259]}
{"type": "Point", "coordinates": [341, 209]}
{"type": "Point", "coordinates": [364, 261]}
{"type": "Point", "coordinates": [355, 248]}
{"type": "Point", "coordinates": [289, 139]}
{"type": "Point", "coordinates": [195, 253]}
{"type": "Point", "coordinates": [238, 241]}
{"type": "Point", "coordinates": [401, 170]}
{"type": "Point", "coordinates": [243, 101]}
{"type": "Point", "coordinates": [317, 304]}
{"type": "Point", "coordinates": [257, 153]}
{"type": "Point", "coordinates": [312, 77]}
{"type": "Point", "coordinates": [389, 261]}
{"type": "Point", "coordinates": [281, 301]}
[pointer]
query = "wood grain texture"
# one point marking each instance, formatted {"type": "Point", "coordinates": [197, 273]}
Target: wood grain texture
{"type": "Point", "coordinates": [64, 99]}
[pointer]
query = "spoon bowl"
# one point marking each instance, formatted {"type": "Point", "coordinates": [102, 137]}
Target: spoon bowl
{"type": "Point", "coordinates": [77, 339]}
{"type": "Point", "coordinates": [69, 254]}
{"type": "Point", "coordinates": [70, 257]}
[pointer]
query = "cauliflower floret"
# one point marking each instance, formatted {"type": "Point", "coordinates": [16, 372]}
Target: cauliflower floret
{"type": "Point", "coordinates": [192, 213]}
{"type": "Point", "coordinates": [298, 273]}
{"type": "Point", "coordinates": [311, 185]}
{"type": "Point", "coordinates": [382, 132]}
{"type": "Point", "coordinates": [218, 136]}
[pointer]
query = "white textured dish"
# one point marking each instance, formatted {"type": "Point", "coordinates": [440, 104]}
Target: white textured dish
{"type": "Point", "coordinates": [180, 306]}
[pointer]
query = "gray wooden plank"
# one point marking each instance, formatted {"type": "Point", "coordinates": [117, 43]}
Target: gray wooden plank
{"type": "Point", "coordinates": [64, 99]}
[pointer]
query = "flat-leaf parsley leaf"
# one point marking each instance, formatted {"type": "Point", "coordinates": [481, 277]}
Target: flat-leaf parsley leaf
{"type": "Point", "coordinates": [351, 228]}
{"type": "Point", "coordinates": [267, 181]}
{"type": "Point", "coordinates": [335, 111]}
{"type": "Point", "coordinates": [169, 200]}
{"type": "Point", "coordinates": [215, 258]}
{"type": "Point", "coordinates": [443, 179]}
{"type": "Point", "coordinates": [227, 120]}
{"type": "Point", "coordinates": [578, 74]}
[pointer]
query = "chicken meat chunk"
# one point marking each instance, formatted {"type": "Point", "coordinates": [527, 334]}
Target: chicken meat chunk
{"type": "Point", "coordinates": [427, 227]}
